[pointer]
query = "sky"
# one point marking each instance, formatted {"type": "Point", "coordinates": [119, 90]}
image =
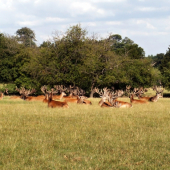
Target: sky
{"type": "Point", "coordinates": [146, 22]}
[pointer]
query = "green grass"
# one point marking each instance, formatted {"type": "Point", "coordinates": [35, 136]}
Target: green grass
{"type": "Point", "coordinates": [35, 137]}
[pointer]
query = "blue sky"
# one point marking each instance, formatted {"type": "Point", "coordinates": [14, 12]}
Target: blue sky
{"type": "Point", "coordinates": [146, 22]}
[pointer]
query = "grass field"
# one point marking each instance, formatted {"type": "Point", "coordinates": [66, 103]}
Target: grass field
{"type": "Point", "coordinates": [35, 137]}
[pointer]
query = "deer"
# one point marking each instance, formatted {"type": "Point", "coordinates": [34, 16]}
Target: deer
{"type": "Point", "coordinates": [78, 99]}
{"type": "Point", "coordinates": [53, 104]}
{"type": "Point", "coordinates": [136, 101]}
{"type": "Point", "coordinates": [45, 100]}
{"type": "Point", "coordinates": [21, 91]}
{"type": "Point", "coordinates": [113, 99]}
{"type": "Point", "coordinates": [27, 93]}
{"type": "Point", "coordinates": [88, 102]}
{"type": "Point", "coordinates": [81, 100]}
{"type": "Point", "coordinates": [104, 94]}
{"type": "Point", "coordinates": [121, 104]}
{"type": "Point", "coordinates": [62, 93]}
{"type": "Point", "coordinates": [159, 93]}
{"type": "Point", "coordinates": [1, 95]}
{"type": "Point", "coordinates": [103, 102]}
{"type": "Point", "coordinates": [153, 98]}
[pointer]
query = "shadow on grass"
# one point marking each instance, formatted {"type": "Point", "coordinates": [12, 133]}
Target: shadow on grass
{"type": "Point", "coordinates": [167, 95]}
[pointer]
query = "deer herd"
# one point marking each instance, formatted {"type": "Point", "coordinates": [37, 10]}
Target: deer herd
{"type": "Point", "coordinates": [109, 97]}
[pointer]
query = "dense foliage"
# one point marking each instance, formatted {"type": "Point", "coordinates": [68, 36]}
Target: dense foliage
{"type": "Point", "coordinates": [73, 58]}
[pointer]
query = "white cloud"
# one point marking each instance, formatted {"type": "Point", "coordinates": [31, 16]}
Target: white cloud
{"type": "Point", "coordinates": [28, 23]}
{"type": "Point", "coordinates": [114, 23]}
{"type": "Point", "coordinates": [142, 21]}
{"type": "Point", "coordinates": [54, 19]}
{"type": "Point", "coordinates": [148, 9]}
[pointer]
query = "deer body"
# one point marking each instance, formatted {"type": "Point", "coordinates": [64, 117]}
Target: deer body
{"type": "Point", "coordinates": [53, 103]}
{"type": "Point", "coordinates": [143, 98]}
{"type": "Point", "coordinates": [155, 98]}
{"type": "Point", "coordinates": [59, 97]}
{"type": "Point", "coordinates": [122, 104]}
{"type": "Point", "coordinates": [88, 102]}
{"type": "Point", "coordinates": [71, 100]}
{"type": "Point", "coordinates": [1, 96]}
{"type": "Point", "coordinates": [104, 103]}
{"type": "Point", "coordinates": [34, 98]}
{"type": "Point", "coordinates": [135, 101]}
{"type": "Point", "coordinates": [79, 100]}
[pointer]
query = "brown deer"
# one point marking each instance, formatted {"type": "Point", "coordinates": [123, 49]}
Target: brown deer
{"type": "Point", "coordinates": [53, 104]}
{"type": "Point", "coordinates": [59, 97]}
{"type": "Point", "coordinates": [113, 99]}
{"type": "Point", "coordinates": [21, 92]}
{"type": "Point", "coordinates": [155, 98]}
{"type": "Point", "coordinates": [45, 100]}
{"type": "Point", "coordinates": [136, 101]}
{"type": "Point", "coordinates": [61, 89]}
{"type": "Point", "coordinates": [27, 93]}
{"type": "Point", "coordinates": [79, 99]}
{"type": "Point", "coordinates": [1, 95]}
{"type": "Point", "coordinates": [121, 104]}
{"type": "Point", "coordinates": [104, 97]}
{"type": "Point", "coordinates": [103, 102]}
{"type": "Point", "coordinates": [88, 102]}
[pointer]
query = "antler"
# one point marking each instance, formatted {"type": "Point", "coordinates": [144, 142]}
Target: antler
{"type": "Point", "coordinates": [60, 88]}
{"type": "Point", "coordinates": [44, 89]}
{"type": "Point", "coordinates": [6, 91]}
{"type": "Point", "coordinates": [29, 92]}
{"type": "Point", "coordinates": [159, 90]}
{"type": "Point", "coordinates": [21, 91]}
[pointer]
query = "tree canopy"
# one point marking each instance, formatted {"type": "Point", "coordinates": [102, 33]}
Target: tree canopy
{"type": "Point", "coordinates": [74, 58]}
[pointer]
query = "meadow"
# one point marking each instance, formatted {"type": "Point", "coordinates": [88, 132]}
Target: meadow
{"type": "Point", "coordinates": [35, 137]}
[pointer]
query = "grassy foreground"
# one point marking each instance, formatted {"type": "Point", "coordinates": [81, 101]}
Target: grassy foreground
{"type": "Point", "coordinates": [35, 137]}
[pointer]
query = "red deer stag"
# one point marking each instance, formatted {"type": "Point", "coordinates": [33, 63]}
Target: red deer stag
{"type": "Point", "coordinates": [26, 94]}
{"type": "Point", "coordinates": [155, 98]}
{"type": "Point", "coordinates": [53, 104]}
{"type": "Point", "coordinates": [104, 97]}
{"type": "Point", "coordinates": [136, 101]}
{"type": "Point", "coordinates": [120, 104]}
{"type": "Point", "coordinates": [21, 91]}
{"type": "Point", "coordinates": [159, 93]}
{"type": "Point", "coordinates": [79, 99]}
{"type": "Point", "coordinates": [61, 89]}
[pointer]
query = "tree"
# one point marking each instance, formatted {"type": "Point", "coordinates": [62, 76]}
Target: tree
{"type": "Point", "coordinates": [9, 48]}
{"type": "Point", "coordinates": [26, 36]}
{"type": "Point", "coordinates": [165, 69]}
{"type": "Point", "coordinates": [126, 47]}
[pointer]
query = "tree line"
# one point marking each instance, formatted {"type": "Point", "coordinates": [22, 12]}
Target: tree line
{"type": "Point", "coordinates": [74, 58]}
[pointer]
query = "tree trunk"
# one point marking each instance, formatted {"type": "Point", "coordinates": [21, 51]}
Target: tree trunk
{"type": "Point", "coordinates": [92, 91]}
